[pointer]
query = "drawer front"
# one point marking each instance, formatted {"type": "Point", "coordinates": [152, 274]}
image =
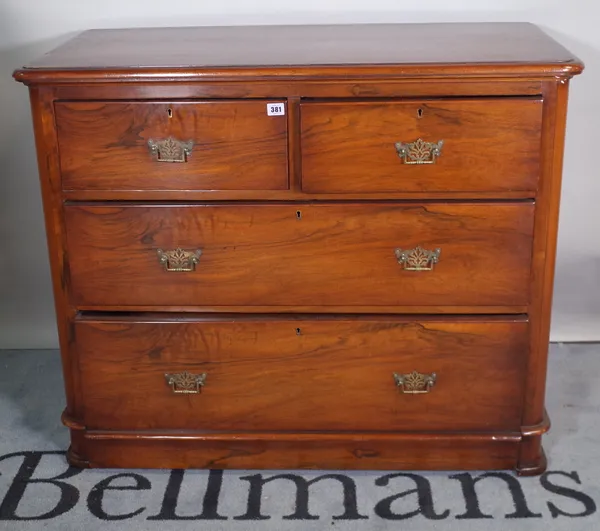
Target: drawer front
{"type": "Point", "coordinates": [302, 374]}
{"type": "Point", "coordinates": [483, 145]}
{"type": "Point", "coordinates": [227, 145]}
{"type": "Point", "coordinates": [300, 255]}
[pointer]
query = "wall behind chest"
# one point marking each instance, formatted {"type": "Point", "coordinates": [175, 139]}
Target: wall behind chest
{"type": "Point", "coordinates": [29, 29]}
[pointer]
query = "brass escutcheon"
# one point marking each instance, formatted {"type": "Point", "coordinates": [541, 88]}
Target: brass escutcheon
{"type": "Point", "coordinates": [419, 151]}
{"type": "Point", "coordinates": [186, 382]}
{"type": "Point", "coordinates": [415, 383]}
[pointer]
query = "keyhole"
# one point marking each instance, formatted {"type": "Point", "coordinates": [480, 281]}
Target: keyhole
{"type": "Point", "coordinates": [420, 113]}
{"type": "Point", "coordinates": [298, 214]}
{"type": "Point", "coordinates": [298, 332]}
{"type": "Point", "coordinates": [170, 112]}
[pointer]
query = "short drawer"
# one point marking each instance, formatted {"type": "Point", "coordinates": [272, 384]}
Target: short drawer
{"type": "Point", "coordinates": [199, 145]}
{"type": "Point", "coordinates": [350, 255]}
{"type": "Point", "coordinates": [461, 145]}
{"type": "Point", "coordinates": [302, 374]}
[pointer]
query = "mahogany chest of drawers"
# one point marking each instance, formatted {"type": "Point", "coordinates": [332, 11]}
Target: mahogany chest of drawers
{"type": "Point", "coordinates": [304, 247]}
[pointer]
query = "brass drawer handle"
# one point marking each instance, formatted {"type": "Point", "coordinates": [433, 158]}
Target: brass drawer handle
{"type": "Point", "coordinates": [415, 383]}
{"type": "Point", "coordinates": [186, 382]}
{"type": "Point", "coordinates": [419, 151]}
{"type": "Point", "coordinates": [417, 259]}
{"type": "Point", "coordinates": [170, 150]}
{"type": "Point", "coordinates": [178, 260]}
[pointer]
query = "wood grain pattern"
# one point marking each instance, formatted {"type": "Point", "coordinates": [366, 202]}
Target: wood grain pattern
{"type": "Point", "coordinates": [289, 451]}
{"type": "Point", "coordinates": [341, 255]}
{"type": "Point", "coordinates": [42, 111]}
{"type": "Point", "coordinates": [203, 196]}
{"type": "Point", "coordinates": [330, 310]}
{"type": "Point", "coordinates": [489, 145]}
{"type": "Point", "coordinates": [544, 257]}
{"type": "Point", "coordinates": [315, 87]}
{"type": "Point", "coordinates": [303, 375]}
{"type": "Point", "coordinates": [104, 145]}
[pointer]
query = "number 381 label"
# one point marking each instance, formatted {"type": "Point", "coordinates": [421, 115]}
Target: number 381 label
{"type": "Point", "coordinates": [275, 109]}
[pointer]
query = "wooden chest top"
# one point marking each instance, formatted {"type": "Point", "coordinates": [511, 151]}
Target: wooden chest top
{"type": "Point", "coordinates": [490, 49]}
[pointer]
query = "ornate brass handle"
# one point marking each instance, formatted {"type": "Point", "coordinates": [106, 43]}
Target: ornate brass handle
{"type": "Point", "coordinates": [419, 151]}
{"type": "Point", "coordinates": [170, 149]}
{"type": "Point", "coordinates": [178, 260]}
{"type": "Point", "coordinates": [186, 382]}
{"type": "Point", "coordinates": [415, 383]}
{"type": "Point", "coordinates": [417, 259]}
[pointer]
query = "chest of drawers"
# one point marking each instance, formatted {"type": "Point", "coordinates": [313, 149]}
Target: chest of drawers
{"type": "Point", "coordinates": [303, 247]}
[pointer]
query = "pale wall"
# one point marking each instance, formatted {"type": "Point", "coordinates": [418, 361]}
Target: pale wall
{"type": "Point", "coordinates": [29, 28]}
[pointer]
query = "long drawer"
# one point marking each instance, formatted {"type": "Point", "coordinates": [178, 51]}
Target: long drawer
{"type": "Point", "coordinates": [302, 374]}
{"type": "Point", "coordinates": [377, 255]}
{"type": "Point", "coordinates": [452, 145]}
